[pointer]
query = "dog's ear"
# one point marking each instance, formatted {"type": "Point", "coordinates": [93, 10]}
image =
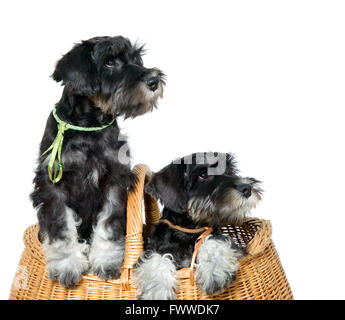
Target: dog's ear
{"type": "Point", "coordinates": [168, 186]}
{"type": "Point", "coordinates": [77, 71]}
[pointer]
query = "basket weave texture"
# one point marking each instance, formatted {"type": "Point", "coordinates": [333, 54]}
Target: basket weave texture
{"type": "Point", "coordinates": [260, 276]}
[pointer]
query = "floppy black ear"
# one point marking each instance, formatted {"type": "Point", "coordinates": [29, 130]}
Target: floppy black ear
{"type": "Point", "coordinates": [77, 70]}
{"type": "Point", "coordinates": [168, 187]}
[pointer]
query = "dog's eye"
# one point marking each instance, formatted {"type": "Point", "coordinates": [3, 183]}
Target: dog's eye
{"type": "Point", "coordinates": [110, 63]}
{"type": "Point", "coordinates": [203, 174]}
{"type": "Point", "coordinates": [113, 63]}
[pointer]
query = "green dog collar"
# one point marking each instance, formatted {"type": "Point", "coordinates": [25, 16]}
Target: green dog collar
{"type": "Point", "coordinates": [56, 146]}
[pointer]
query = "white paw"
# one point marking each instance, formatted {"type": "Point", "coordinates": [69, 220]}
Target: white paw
{"type": "Point", "coordinates": [217, 265]}
{"type": "Point", "coordinates": [106, 259]}
{"type": "Point", "coordinates": [155, 278]}
{"type": "Point", "coordinates": [69, 270]}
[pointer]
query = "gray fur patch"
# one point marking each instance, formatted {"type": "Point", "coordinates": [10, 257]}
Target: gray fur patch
{"type": "Point", "coordinates": [106, 256]}
{"type": "Point", "coordinates": [67, 258]}
{"type": "Point", "coordinates": [217, 264]}
{"type": "Point", "coordinates": [155, 278]}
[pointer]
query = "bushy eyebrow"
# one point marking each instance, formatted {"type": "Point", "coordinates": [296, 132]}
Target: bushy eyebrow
{"type": "Point", "coordinates": [138, 50]}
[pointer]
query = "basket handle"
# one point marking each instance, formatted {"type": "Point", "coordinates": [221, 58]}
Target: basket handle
{"type": "Point", "coordinates": [134, 229]}
{"type": "Point", "coordinates": [262, 236]}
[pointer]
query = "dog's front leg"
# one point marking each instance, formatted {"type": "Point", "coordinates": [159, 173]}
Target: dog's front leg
{"type": "Point", "coordinates": [217, 264]}
{"type": "Point", "coordinates": [155, 277]}
{"type": "Point", "coordinates": [66, 256]}
{"type": "Point", "coordinates": [108, 241]}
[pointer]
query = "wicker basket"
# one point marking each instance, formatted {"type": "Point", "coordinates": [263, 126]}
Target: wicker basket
{"type": "Point", "coordinates": [260, 276]}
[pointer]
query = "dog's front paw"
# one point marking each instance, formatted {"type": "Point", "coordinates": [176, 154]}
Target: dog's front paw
{"type": "Point", "coordinates": [106, 259]}
{"type": "Point", "coordinates": [106, 272]}
{"type": "Point", "coordinates": [157, 294]}
{"type": "Point", "coordinates": [217, 265]}
{"type": "Point", "coordinates": [155, 277]}
{"type": "Point", "coordinates": [215, 282]}
{"type": "Point", "coordinates": [68, 271]}
{"type": "Point", "coordinates": [66, 278]}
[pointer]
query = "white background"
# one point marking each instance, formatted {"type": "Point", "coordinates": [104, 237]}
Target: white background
{"type": "Point", "coordinates": [263, 79]}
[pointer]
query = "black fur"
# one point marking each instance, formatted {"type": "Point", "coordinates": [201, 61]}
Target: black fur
{"type": "Point", "coordinates": [103, 78]}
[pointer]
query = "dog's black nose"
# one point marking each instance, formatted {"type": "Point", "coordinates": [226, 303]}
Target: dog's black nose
{"type": "Point", "coordinates": [152, 83]}
{"type": "Point", "coordinates": [245, 189]}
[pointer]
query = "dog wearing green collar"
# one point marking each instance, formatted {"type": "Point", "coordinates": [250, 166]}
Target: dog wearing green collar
{"type": "Point", "coordinates": [83, 172]}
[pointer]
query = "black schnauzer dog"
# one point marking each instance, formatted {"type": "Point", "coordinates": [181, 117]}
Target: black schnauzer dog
{"type": "Point", "coordinates": [82, 212]}
{"type": "Point", "coordinates": [202, 189]}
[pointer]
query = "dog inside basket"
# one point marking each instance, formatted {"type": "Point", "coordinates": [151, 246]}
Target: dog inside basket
{"type": "Point", "coordinates": [199, 193]}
